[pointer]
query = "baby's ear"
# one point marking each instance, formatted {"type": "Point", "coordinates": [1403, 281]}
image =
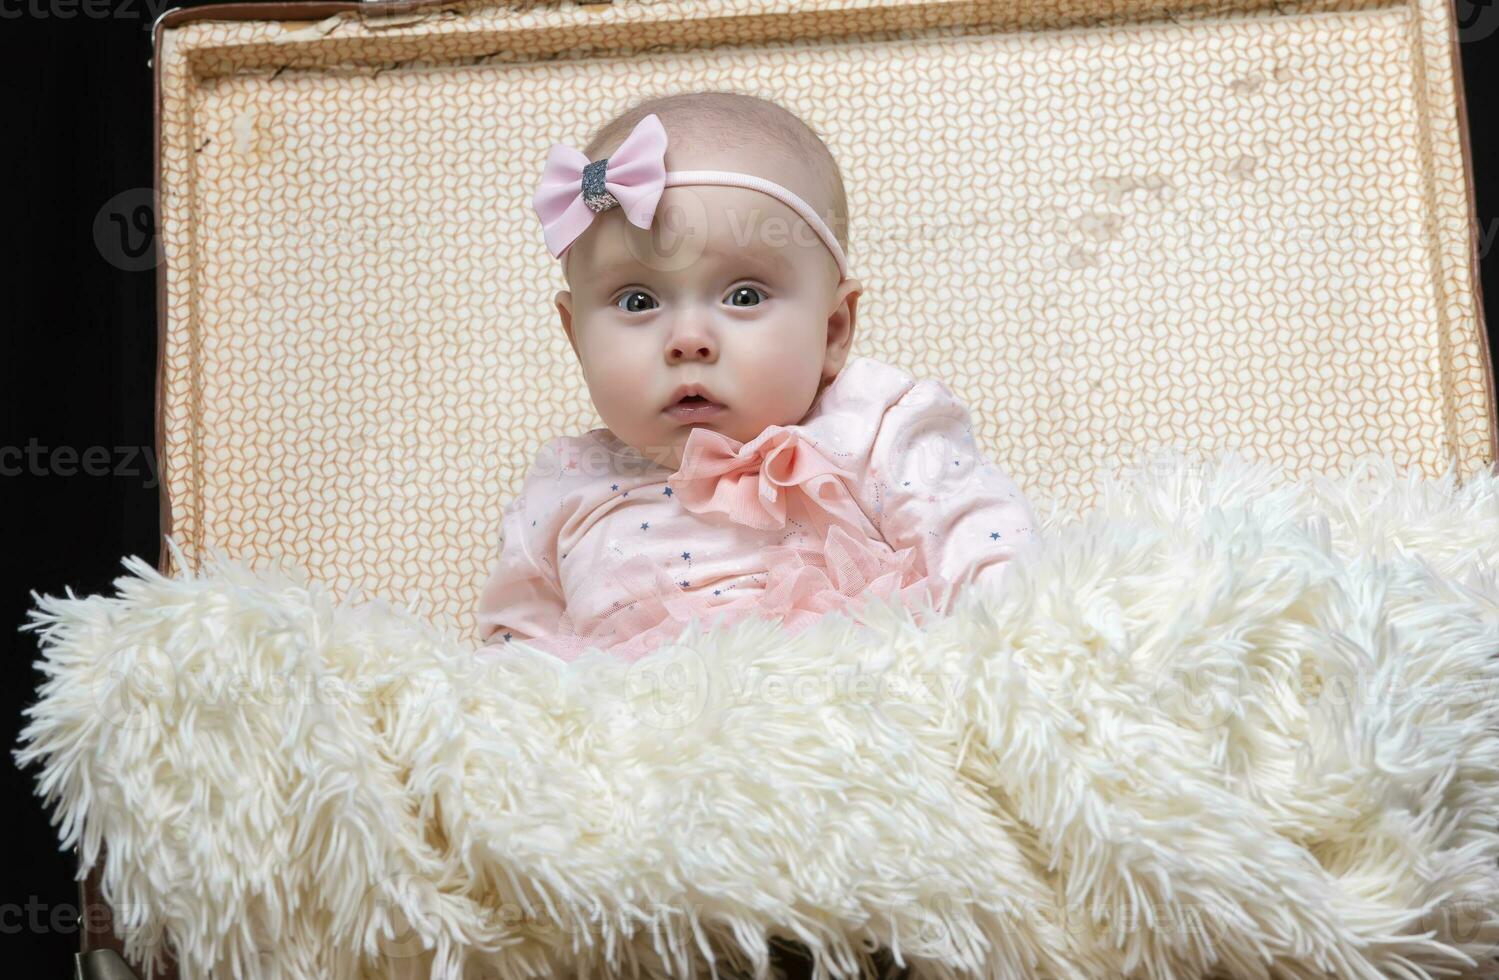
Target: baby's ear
{"type": "Point", "coordinates": [841, 324]}
{"type": "Point", "coordinates": [564, 302]}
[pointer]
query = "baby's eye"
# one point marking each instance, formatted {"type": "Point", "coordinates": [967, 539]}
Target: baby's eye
{"type": "Point", "coordinates": [744, 292]}
{"type": "Point", "coordinates": [629, 307]}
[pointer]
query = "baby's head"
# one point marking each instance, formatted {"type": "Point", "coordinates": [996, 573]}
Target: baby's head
{"type": "Point", "coordinates": [728, 287]}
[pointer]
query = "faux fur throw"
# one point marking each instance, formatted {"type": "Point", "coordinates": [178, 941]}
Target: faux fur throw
{"type": "Point", "coordinates": [1225, 724]}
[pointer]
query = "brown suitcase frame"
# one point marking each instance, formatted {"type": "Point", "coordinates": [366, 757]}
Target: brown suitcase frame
{"type": "Point", "coordinates": [101, 954]}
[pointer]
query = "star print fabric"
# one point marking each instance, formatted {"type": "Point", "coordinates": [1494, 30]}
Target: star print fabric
{"type": "Point", "coordinates": [880, 490]}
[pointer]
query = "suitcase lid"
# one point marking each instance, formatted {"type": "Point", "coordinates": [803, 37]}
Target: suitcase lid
{"type": "Point", "coordinates": [1243, 224]}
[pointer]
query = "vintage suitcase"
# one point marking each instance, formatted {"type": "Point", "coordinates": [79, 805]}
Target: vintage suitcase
{"type": "Point", "coordinates": [1107, 225]}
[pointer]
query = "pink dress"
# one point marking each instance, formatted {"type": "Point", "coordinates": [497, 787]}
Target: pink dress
{"type": "Point", "coordinates": [880, 490]}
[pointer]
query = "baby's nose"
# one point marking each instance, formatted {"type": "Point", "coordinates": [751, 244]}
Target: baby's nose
{"type": "Point", "coordinates": [691, 344]}
{"type": "Point", "coordinates": [701, 352]}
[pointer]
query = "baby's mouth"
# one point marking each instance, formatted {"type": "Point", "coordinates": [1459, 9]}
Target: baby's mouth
{"type": "Point", "coordinates": [694, 407]}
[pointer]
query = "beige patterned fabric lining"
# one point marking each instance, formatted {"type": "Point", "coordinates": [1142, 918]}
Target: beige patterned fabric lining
{"type": "Point", "coordinates": [1245, 228]}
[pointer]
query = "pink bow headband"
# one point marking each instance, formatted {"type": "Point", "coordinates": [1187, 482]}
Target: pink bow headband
{"type": "Point", "coordinates": [573, 189]}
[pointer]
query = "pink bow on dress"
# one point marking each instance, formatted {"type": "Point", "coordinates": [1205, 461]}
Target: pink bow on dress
{"type": "Point", "coordinates": [573, 190]}
{"type": "Point", "coordinates": [761, 483]}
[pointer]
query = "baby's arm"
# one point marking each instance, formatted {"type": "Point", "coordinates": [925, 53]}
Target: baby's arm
{"type": "Point", "coordinates": [929, 485]}
{"type": "Point", "coordinates": [523, 597]}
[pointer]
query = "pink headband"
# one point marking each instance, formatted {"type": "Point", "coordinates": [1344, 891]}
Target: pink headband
{"type": "Point", "coordinates": [573, 190]}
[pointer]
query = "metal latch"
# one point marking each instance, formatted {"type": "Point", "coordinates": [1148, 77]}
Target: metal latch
{"type": "Point", "coordinates": [101, 964]}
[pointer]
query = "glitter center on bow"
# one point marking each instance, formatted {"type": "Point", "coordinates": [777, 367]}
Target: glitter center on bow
{"type": "Point", "coordinates": [595, 194]}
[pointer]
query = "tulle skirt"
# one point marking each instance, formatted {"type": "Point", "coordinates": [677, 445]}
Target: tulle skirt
{"type": "Point", "coordinates": [801, 586]}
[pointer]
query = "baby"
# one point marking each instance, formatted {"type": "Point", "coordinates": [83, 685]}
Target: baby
{"type": "Point", "coordinates": [749, 464]}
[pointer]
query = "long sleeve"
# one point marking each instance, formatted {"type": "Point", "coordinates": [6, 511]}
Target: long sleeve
{"type": "Point", "coordinates": [929, 485]}
{"type": "Point", "coordinates": [522, 596]}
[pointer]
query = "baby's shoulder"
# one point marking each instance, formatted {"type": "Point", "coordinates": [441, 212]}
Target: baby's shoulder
{"type": "Point", "coordinates": [867, 383]}
{"type": "Point", "coordinates": [869, 397]}
{"type": "Point", "coordinates": [864, 379]}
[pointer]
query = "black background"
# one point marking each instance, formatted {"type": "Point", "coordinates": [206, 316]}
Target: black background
{"type": "Point", "coordinates": [80, 359]}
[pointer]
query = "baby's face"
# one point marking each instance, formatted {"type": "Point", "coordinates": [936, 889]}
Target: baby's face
{"type": "Point", "coordinates": [729, 289]}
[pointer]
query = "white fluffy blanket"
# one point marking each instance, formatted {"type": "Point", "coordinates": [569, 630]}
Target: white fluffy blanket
{"type": "Point", "coordinates": [1226, 724]}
